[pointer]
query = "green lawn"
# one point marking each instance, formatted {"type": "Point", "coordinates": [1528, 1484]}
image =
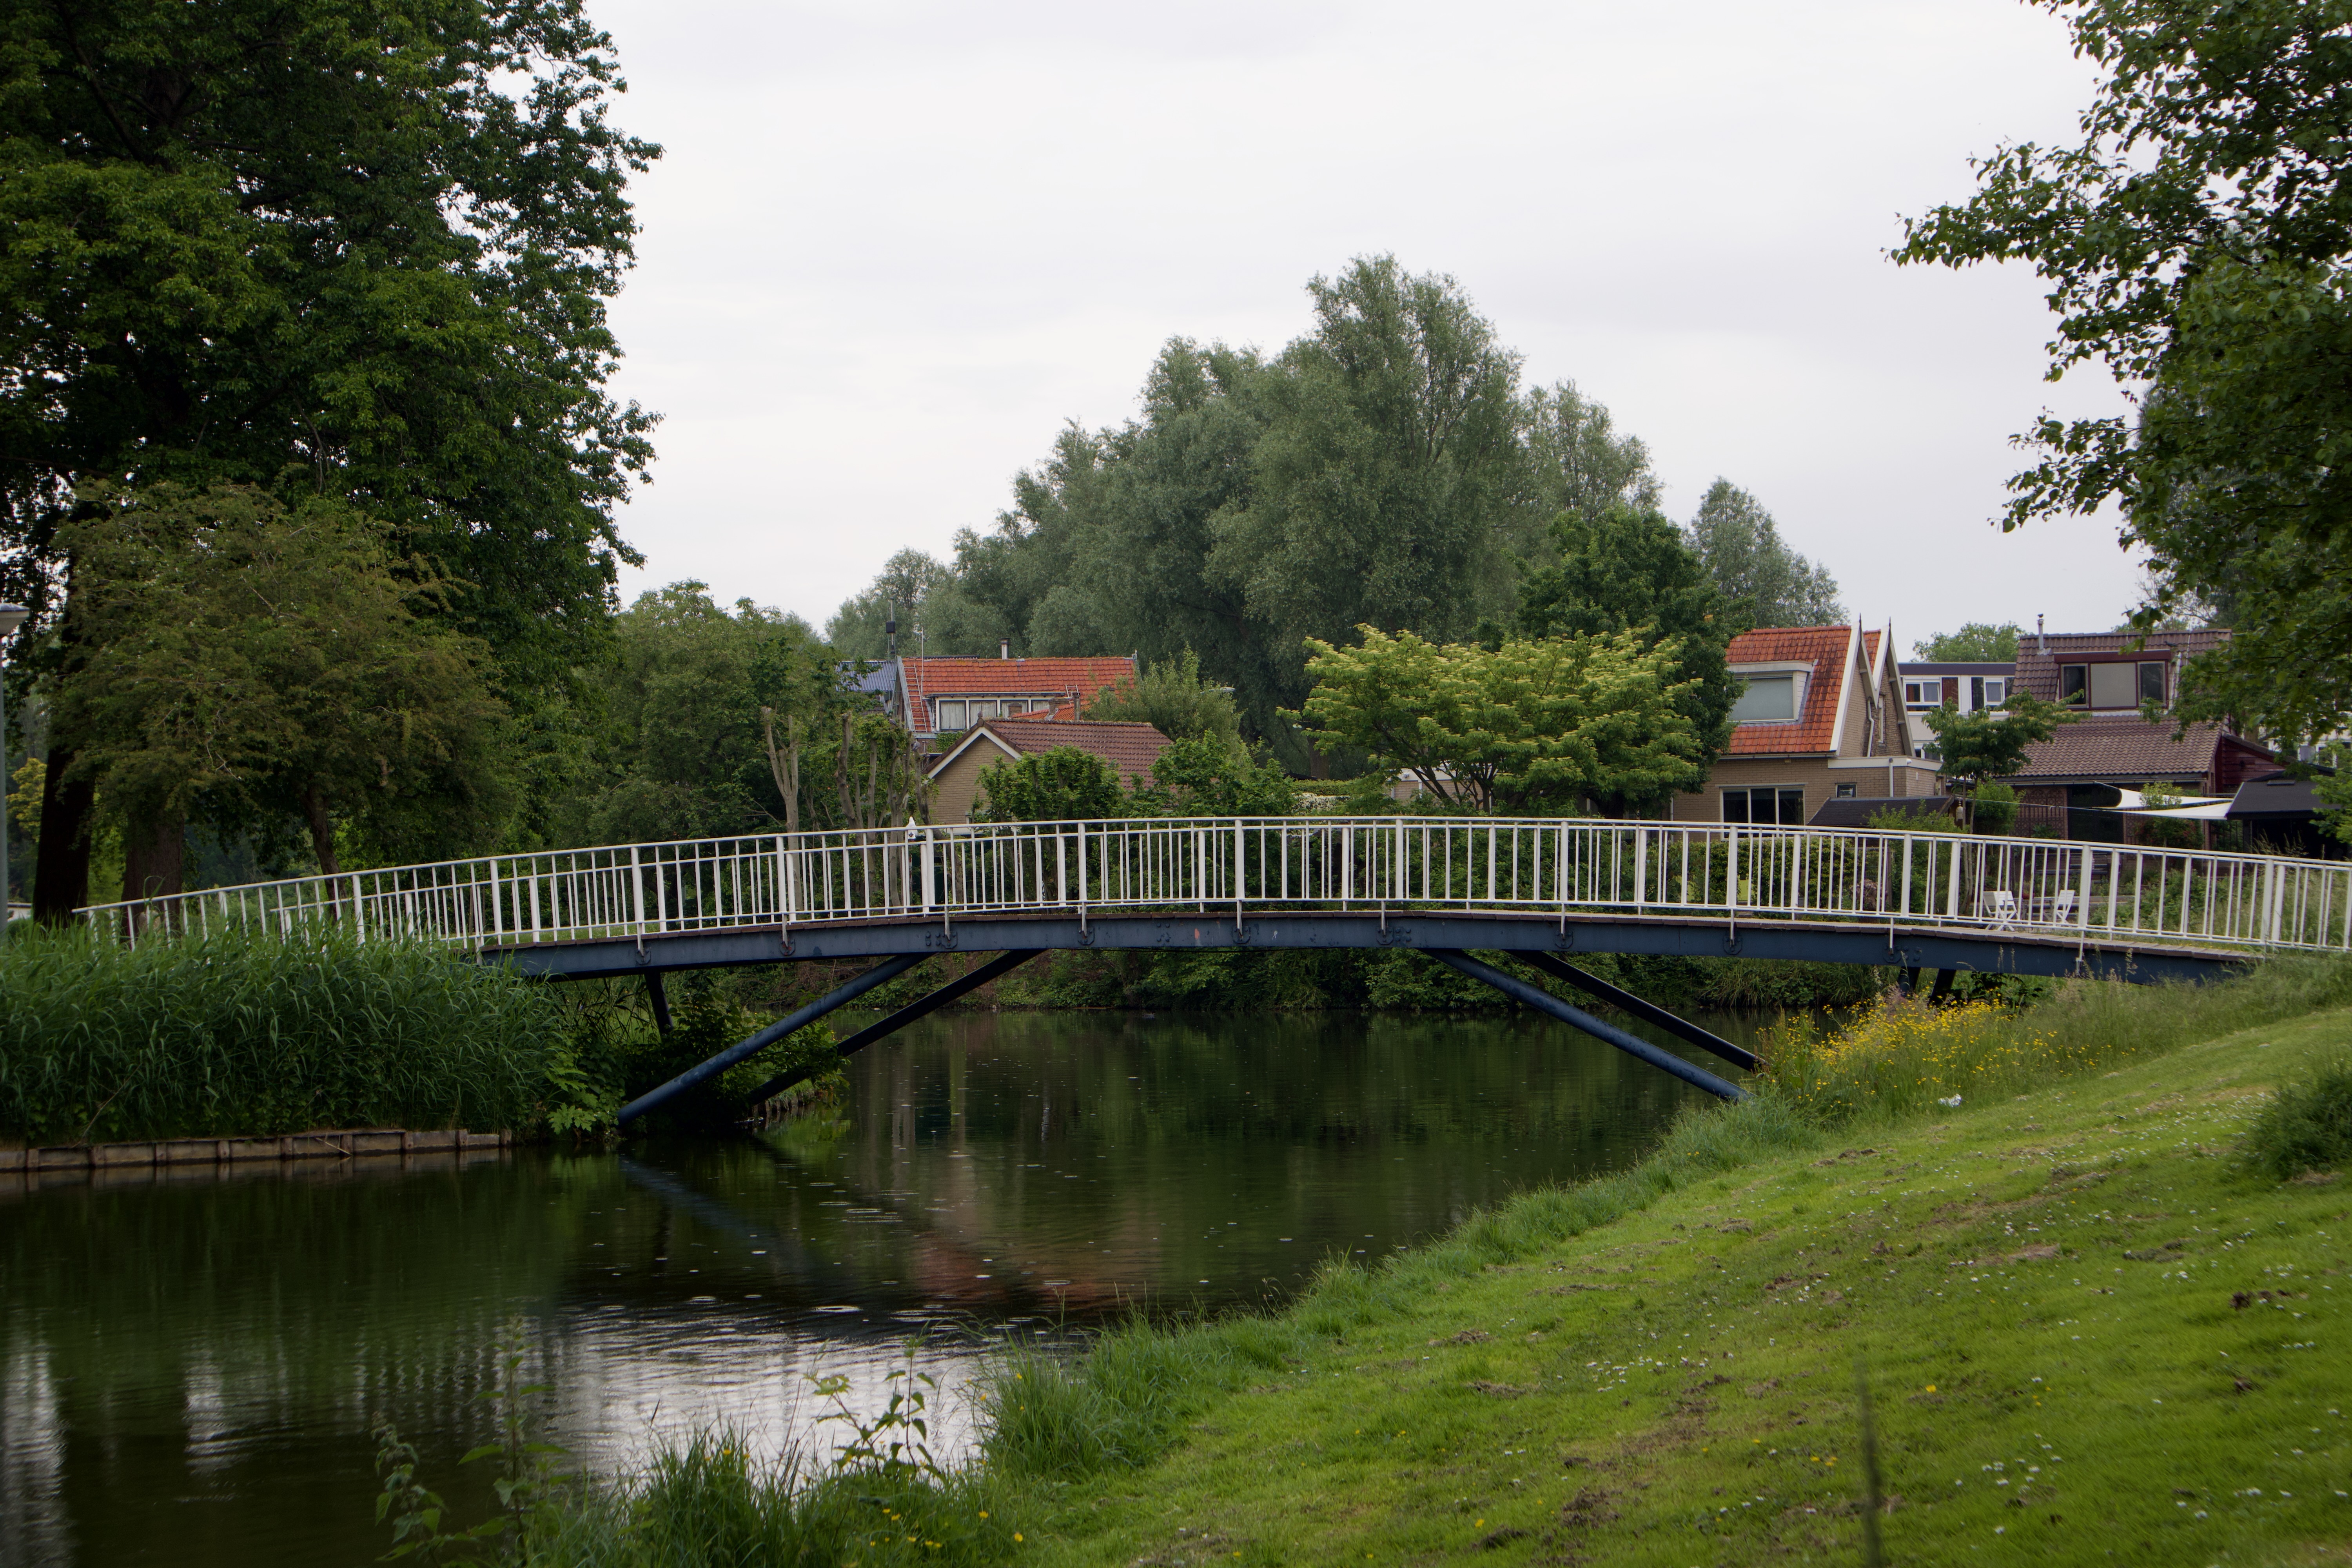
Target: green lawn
{"type": "Point", "coordinates": [2088, 1339]}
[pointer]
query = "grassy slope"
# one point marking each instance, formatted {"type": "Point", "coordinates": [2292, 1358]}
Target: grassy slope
{"type": "Point", "coordinates": [2045, 1284]}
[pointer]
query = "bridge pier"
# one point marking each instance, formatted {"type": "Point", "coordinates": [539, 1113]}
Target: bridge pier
{"type": "Point", "coordinates": [1003, 964]}
{"type": "Point", "coordinates": [703, 1072]}
{"type": "Point", "coordinates": [1631, 1045]}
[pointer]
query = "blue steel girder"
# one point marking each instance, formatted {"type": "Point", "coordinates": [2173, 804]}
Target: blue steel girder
{"type": "Point", "coordinates": [1923, 947]}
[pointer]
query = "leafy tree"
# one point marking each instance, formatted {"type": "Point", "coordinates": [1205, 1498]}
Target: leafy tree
{"type": "Point", "coordinates": [1581, 464]}
{"type": "Point", "coordinates": [1763, 581]}
{"type": "Point", "coordinates": [1390, 469]}
{"type": "Point", "coordinates": [1992, 743]}
{"type": "Point", "coordinates": [1171, 696]}
{"type": "Point", "coordinates": [1212, 775]}
{"type": "Point", "coordinates": [1977, 642]}
{"type": "Point", "coordinates": [680, 750]}
{"type": "Point", "coordinates": [357, 254]}
{"type": "Point", "coordinates": [2195, 241]}
{"type": "Point", "coordinates": [1064, 785]}
{"type": "Point", "coordinates": [1532, 726]}
{"type": "Point", "coordinates": [934, 613]}
{"type": "Point", "coordinates": [251, 661]}
{"type": "Point", "coordinates": [1623, 569]}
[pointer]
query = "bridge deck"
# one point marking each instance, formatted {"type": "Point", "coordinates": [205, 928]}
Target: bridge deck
{"type": "Point", "coordinates": [1978, 949]}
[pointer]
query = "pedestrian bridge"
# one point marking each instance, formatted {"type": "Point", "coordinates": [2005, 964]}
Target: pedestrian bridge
{"type": "Point", "coordinates": [1542, 886]}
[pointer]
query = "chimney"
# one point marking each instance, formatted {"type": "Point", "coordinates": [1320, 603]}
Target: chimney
{"type": "Point", "coordinates": [1004, 648]}
{"type": "Point", "coordinates": [2041, 636]}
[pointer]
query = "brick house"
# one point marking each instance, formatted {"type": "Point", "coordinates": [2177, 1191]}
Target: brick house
{"type": "Point", "coordinates": [943, 696]}
{"type": "Point", "coordinates": [2104, 677]}
{"type": "Point", "coordinates": [956, 787]}
{"type": "Point", "coordinates": [1821, 719]}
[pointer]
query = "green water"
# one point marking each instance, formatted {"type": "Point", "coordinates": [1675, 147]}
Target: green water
{"type": "Point", "coordinates": [189, 1371]}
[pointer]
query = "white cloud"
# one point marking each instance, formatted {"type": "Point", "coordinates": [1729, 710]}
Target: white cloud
{"type": "Point", "coordinates": [893, 246]}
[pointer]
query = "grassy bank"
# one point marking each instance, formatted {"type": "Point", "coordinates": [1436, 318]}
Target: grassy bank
{"type": "Point", "coordinates": [254, 1034]}
{"type": "Point", "coordinates": [2094, 1324]}
{"type": "Point", "coordinates": [2093, 1334]}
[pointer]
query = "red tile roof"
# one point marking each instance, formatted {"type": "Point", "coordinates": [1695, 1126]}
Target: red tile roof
{"type": "Point", "coordinates": [1078, 679]}
{"type": "Point", "coordinates": [1129, 748]}
{"type": "Point", "coordinates": [1824, 648]}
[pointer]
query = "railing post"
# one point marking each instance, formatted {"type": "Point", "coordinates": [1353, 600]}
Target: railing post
{"type": "Point", "coordinates": [637, 893]}
{"type": "Point", "coordinates": [929, 864]}
{"type": "Point", "coordinates": [2083, 894]}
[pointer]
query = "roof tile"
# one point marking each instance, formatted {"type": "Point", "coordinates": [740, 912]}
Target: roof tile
{"type": "Point", "coordinates": [1129, 748]}
{"type": "Point", "coordinates": [1078, 679]}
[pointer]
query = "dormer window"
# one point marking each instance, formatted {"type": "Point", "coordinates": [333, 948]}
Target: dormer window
{"type": "Point", "coordinates": [1769, 700]}
{"type": "Point", "coordinates": [2112, 685]}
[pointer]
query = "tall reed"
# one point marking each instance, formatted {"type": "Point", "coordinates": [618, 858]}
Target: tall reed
{"type": "Point", "coordinates": [244, 1034]}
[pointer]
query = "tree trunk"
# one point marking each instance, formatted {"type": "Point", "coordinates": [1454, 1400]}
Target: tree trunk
{"type": "Point", "coordinates": [61, 861]}
{"type": "Point", "coordinates": [154, 857]}
{"type": "Point", "coordinates": [322, 831]}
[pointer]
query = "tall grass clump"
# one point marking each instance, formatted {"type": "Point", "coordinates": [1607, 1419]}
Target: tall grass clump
{"type": "Point", "coordinates": [707, 1499]}
{"type": "Point", "coordinates": [246, 1034]}
{"type": "Point", "coordinates": [2307, 1125]}
{"type": "Point", "coordinates": [1901, 1057]}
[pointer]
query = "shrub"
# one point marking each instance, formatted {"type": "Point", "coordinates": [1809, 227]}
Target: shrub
{"type": "Point", "coordinates": [2307, 1126]}
{"type": "Point", "coordinates": [246, 1034]}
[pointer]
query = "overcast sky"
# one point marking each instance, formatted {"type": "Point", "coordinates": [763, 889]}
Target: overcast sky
{"type": "Point", "coordinates": [891, 248]}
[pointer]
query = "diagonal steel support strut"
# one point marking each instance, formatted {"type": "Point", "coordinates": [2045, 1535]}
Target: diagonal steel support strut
{"type": "Point", "coordinates": [653, 1099]}
{"type": "Point", "coordinates": [1003, 964]}
{"type": "Point", "coordinates": [1649, 1013]}
{"type": "Point", "coordinates": [1545, 1002]}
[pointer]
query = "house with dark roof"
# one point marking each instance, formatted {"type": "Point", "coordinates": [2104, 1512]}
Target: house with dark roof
{"type": "Point", "coordinates": [1821, 719]}
{"type": "Point", "coordinates": [2112, 680]}
{"type": "Point", "coordinates": [956, 779]}
{"type": "Point", "coordinates": [944, 696]}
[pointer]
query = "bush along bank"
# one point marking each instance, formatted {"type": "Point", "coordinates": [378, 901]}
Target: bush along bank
{"type": "Point", "coordinates": [240, 1035]}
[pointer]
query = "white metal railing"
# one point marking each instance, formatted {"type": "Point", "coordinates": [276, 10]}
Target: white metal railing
{"type": "Point", "coordinates": [1246, 865]}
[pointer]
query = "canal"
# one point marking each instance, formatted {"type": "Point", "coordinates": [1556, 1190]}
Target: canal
{"type": "Point", "coordinates": [190, 1369]}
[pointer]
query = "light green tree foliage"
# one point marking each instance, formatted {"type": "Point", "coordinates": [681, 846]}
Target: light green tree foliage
{"type": "Point", "coordinates": [935, 616]}
{"type": "Point", "coordinates": [1531, 727]}
{"type": "Point", "coordinates": [1620, 569]}
{"type": "Point", "coordinates": [1064, 785]}
{"type": "Point", "coordinates": [361, 252]}
{"type": "Point", "coordinates": [1763, 581]}
{"type": "Point", "coordinates": [681, 750]}
{"type": "Point", "coordinates": [1992, 743]}
{"type": "Point", "coordinates": [2195, 241]}
{"type": "Point", "coordinates": [1172, 696]}
{"type": "Point", "coordinates": [250, 663]}
{"type": "Point", "coordinates": [1978, 642]}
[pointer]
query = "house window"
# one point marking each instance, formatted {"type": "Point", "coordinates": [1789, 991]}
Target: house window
{"type": "Point", "coordinates": [951, 714]}
{"type": "Point", "coordinates": [1995, 691]}
{"type": "Point", "coordinates": [2074, 682]}
{"type": "Point", "coordinates": [2151, 683]}
{"type": "Point", "coordinates": [1920, 694]}
{"type": "Point", "coordinates": [1976, 693]}
{"type": "Point", "coordinates": [1766, 805]}
{"type": "Point", "coordinates": [2114, 686]}
{"type": "Point", "coordinates": [1845, 792]}
{"type": "Point", "coordinates": [1769, 700]}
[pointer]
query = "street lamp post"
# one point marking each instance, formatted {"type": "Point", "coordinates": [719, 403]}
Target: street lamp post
{"type": "Point", "coordinates": [11, 617]}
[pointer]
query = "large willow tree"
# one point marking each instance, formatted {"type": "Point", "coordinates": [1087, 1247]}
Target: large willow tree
{"type": "Point", "coordinates": [355, 249]}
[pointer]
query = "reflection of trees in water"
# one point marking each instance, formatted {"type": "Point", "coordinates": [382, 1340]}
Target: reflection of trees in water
{"type": "Point", "coordinates": [1316, 1125]}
